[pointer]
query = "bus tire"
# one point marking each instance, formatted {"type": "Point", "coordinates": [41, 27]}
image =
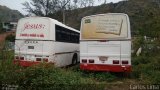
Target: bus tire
{"type": "Point", "coordinates": [74, 59]}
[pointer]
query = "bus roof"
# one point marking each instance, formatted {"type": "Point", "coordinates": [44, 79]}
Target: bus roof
{"type": "Point", "coordinates": [105, 14]}
{"type": "Point", "coordinates": [38, 28]}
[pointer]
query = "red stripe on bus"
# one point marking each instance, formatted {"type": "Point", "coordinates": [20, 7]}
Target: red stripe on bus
{"type": "Point", "coordinates": [108, 68]}
{"type": "Point", "coordinates": [25, 63]}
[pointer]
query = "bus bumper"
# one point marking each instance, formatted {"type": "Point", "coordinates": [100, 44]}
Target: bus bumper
{"type": "Point", "coordinates": [108, 68]}
{"type": "Point", "coordinates": [25, 63]}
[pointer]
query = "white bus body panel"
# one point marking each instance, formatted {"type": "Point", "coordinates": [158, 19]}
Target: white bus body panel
{"type": "Point", "coordinates": [39, 33]}
{"type": "Point", "coordinates": [65, 52]}
{"type": "Point", "coordinates": [35, 28]}
{"type": "Point", "coordinates": [110, 49]}
{"type": "Point", "coordinates": [113, 47]}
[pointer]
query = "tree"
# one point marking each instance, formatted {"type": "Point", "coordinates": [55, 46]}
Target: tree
{"type": "Point", "coordinates": [63, 5]}
{"type": "Point", "coordinates": [86, 3]}
{"type": "Point", "coordinates": [40, 7]}
{"type": "Point", "coordinates": [46, 7]}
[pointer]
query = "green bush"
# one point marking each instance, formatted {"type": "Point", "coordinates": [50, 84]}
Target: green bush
{"type": "Point", "coordinates": [140, 60]}
{"type": "Point", "coordinates": [46, 76]}
{"type": "Point", "coordinates": [146, 69]}
{"type": "Point", "coordinates": [43, 76]}
{"type": "Point", "coordinates": [1, 31]}
{"type": "Point", "coordinates": [8, 74]}
{"type": "Point", "coordinates": [10, 38]}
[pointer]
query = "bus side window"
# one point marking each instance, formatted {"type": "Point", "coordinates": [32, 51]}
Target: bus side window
{"type": "Point", "coordinates": [66, 35]}
{"type": "Point", "coordinates": [58, 33]}
{"type": "Point", "coordinates": [77, 38]}
{"type": "Point", "coordinates": [72, 38]}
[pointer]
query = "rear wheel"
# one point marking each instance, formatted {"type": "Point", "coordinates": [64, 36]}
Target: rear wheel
{"type": "Point", "coordinates": [74, 59]}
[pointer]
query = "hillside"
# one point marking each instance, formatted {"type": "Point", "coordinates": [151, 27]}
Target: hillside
{"type": "Point", "coordinates": [145, 20]}
{"type": "Point", "coordinates": [7, 14]}
{"type": "Point", "coordinates": [144, 15]}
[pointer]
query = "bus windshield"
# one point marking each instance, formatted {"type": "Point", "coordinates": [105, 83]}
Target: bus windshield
{"type": "Point", "coordinates": [107, 26]}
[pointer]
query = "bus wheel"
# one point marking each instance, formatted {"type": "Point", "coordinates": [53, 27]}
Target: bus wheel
{"type": "Point", "coordinates": [74, 59]}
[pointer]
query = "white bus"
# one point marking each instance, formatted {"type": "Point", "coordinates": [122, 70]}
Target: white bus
{"type": "Point", "coordinates": [105, 43]}
{"type": "Point", "coordinates": [42, 39]}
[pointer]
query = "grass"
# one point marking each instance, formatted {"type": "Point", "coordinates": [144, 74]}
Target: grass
{"type": "Point", "coordinates": [146, 70]}
{"type": "Point", "coordinates": [43, 76]}
{"type": "Point", "coordinates": [146, 67]}
{"type": "Point", "coordinates": [46, 76]}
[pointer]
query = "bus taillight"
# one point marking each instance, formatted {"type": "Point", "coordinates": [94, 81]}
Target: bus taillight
{"type": "Point", "coordinates": [115, 61]}
{"type": "Point", "coordinates": [21, 58]}
{"type": "Point", "coordinates": [38, 59]}
{"type": "Point", "coordinates": [45, 59]}
{"type": "Point", "coordinates": [84, 60]}
{"type": "Point", "coordinates": [16, 57]}
{"type": "Point", "coordinates": [124, 62]}
{"type": "Point", "coordinates": [91, 61]}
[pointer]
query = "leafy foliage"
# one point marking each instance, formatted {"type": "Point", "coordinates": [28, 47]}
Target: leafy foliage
{"type": "Point", "coordinates": [10, 38]}
{"type": "Point", "coordinates": [146, 66]}
{"type": "Point", "coordinates": [144, 15]}
{"type": "Point", "coordinates": [42, 76]}
{"type": "Point", "coordinates": [145, 19]}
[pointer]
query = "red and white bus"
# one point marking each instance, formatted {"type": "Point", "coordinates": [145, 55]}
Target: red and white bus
{"type": "Point", "coordinates": [42, 39]}
{"type": "Point", "coordinates": [105, 43]}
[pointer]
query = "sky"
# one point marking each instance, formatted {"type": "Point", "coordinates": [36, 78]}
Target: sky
{"type": "Point", "coordinates": [17, 4]}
